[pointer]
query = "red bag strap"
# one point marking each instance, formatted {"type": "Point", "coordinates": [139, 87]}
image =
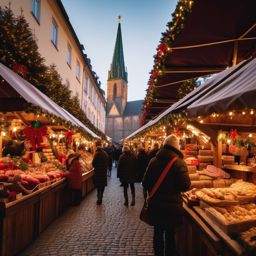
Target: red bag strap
{"type": "Point", "coordinates": [162, 176]}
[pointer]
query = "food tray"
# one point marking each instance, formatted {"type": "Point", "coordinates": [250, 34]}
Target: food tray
{"type": "Point", "coordinates": [221, 203]}
{"type": "Point", "coordinates": [229, 228]}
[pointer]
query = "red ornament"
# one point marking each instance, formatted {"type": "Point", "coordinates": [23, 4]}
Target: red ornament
{"type": "Point", "coordinates": [162, 48]}
{"type": "Point", "coordinates": [233, 134]}
{"type": "Point", "coordinates": [155, 74]}
{"type": "Point", "coordinates": [20, 69]}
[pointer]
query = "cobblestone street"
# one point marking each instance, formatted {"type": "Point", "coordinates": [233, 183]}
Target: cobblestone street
{"type": "Point", "coordinates": [95, 230]}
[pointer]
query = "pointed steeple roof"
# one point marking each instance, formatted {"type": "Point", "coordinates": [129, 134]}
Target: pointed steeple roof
{"type": "Point", "coordinates": [117, 69]}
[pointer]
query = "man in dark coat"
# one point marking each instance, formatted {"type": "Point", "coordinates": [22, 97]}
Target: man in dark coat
{"type": "Point", "coordinates": [100, 163]}
{"type": "Point", "coordinates": [165, 206]}
{"type": "Point", "coordinates": [127, 173]}
{"type": "Point", "coordinates": [143, 160]}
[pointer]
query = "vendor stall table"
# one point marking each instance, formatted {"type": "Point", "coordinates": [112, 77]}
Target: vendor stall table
{"type": "Point", "coordinates": [24, 219]}
{"type": "Point", "coordinates": [201, 237]}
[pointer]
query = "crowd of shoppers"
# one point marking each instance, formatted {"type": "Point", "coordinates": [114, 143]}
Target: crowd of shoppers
{"type": "Point", "coordinates": [146, 168]}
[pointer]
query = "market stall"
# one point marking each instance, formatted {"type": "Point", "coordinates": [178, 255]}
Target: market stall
{"type": "Point", "coordinates": [216, 127]}
{"type": "Point", "coordinates": [36, 136]}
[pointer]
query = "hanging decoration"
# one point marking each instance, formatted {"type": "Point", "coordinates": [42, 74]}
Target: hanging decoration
{"type": "Point", "coordinates": [35, 135]}
{"type": "Point", "coordinates": [182, 11]}
{"type": "Point", "coordinates": [20, 69]}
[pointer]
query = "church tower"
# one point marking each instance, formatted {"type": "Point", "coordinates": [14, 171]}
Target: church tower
{"type": "Point", "coordinates": [117, 79]}
{"type": "Point", "coordinates": [122, 116]}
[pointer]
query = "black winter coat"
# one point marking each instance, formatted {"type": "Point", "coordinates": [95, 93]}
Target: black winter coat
{"type": "Point", "coordinates": [143, 161]}
{"type": "Point", "coordinates": [100, 163]}
{"type": "Point", "coordinates": [165, 206]}
{"type": "Point", "coordinates": [127, 168]}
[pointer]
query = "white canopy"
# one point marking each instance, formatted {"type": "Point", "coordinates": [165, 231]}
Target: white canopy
{"type": "Point", "coordinates": [32, 95]}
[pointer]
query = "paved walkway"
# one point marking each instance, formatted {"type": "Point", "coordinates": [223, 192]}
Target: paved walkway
{"type": "Point", "coordinates": [93, 230]}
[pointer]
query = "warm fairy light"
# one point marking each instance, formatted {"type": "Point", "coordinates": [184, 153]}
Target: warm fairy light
{"type": "Point", "coordinates": [252, 112]}
{"type": "Point", "coordinates": [201, 121]}
{"type": "Point", "coordinates": [14, 129]}
{"type": "Point", "coordinates": [199, 117]}
{"type": "Point", "coordinates": [243, 113]}
{"type": "Point", "coordinates": [3, 133]}
{"type": "Point", "coordinates": [213, 115]}
{"type": "Point", "coordinates": [228, 141]}
{"type": "Point", "coordinates": [250, 135]}
{"type": "Point", "coordinates": [230, 113]}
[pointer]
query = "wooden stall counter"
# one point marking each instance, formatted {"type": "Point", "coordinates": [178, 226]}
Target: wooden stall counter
{"type": "Point", "coordinates": [87, 182]}
{"type": "Point", "coordinates": [200, 236]}
{"type": "Point", "coordinates": [24, 219]}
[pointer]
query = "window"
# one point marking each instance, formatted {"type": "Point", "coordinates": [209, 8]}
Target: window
{"type": "Point", "coordinates": [69, 55]}
{"type": "Point", "coordinates": [85, 83]}
{"type": "Point", "coordinates": [54, 33]}
{"type": "Point", "coordinates": [36, 9]}
{"type": "Point", "coordinates": [67, 83]}
{"type": "Point", "coordinates": [114, 91]}
{"type": "Point", "coordinates": [77, 70]}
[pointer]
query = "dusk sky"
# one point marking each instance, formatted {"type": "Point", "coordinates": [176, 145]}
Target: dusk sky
{"type": "Point", "coordinates": [95, 23]}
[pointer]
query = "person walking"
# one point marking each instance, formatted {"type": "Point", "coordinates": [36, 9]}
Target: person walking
{"type": "Point", "coordinates": [108, 150]}
{"type": "Point", "coordinates": [74, 177]}
{"type": "Point", "coordinates": [143, 161]}
{"type": "Point", "coordinates": [100, 163]}
{"type": "Point", "coordinates": [152, 153]}
{"type": "Point", "coordinates": [127, 173]}
{"type": "Point", "coordinates": [166, 204]}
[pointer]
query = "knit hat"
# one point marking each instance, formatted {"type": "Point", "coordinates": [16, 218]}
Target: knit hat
{"type": "Point", "coordinates": [172, 140]}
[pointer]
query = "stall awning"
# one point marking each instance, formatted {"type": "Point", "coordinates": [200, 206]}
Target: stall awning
{"type": "Point", "coordinates": [213, 36]}
{"type": "Point", "coordinates": [17, 91]}
{"type": "Point", "coordinates": [238, 91]}
{"type": "Point", "coordinates": [197, 94]}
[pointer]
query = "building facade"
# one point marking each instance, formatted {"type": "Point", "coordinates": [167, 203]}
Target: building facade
{"type": "Point", "coordinates": [59, 45]}
{"type": "Point", "coordinates": [122, 116]}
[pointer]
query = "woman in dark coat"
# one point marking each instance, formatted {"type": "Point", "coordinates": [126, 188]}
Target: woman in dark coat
{"type": "Point", "coordinates": [166, 205]}
{"type": "Point", "coordinates": [127, 173]}
{"type": "Point", "coordinates": [100, 163]}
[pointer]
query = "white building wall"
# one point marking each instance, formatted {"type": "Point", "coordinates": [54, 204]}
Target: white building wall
{"type": "Point", "coordinates": [58, 55]}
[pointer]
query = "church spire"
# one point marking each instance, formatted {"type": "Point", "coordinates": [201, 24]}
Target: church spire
{"type": "Point", "coordinates": [117, 69]}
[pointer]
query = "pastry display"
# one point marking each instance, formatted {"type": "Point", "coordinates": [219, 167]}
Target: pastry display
{"type": "Point", "coordinates": [234, 214]}
{"type": "Point", "coordinates": [239, 192]}
{"type": "Point", "coordinates": [249, 237]}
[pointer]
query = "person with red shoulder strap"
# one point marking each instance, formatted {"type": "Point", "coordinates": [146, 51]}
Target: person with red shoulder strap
{"type": "Point", "coordinates": [166, 204]}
